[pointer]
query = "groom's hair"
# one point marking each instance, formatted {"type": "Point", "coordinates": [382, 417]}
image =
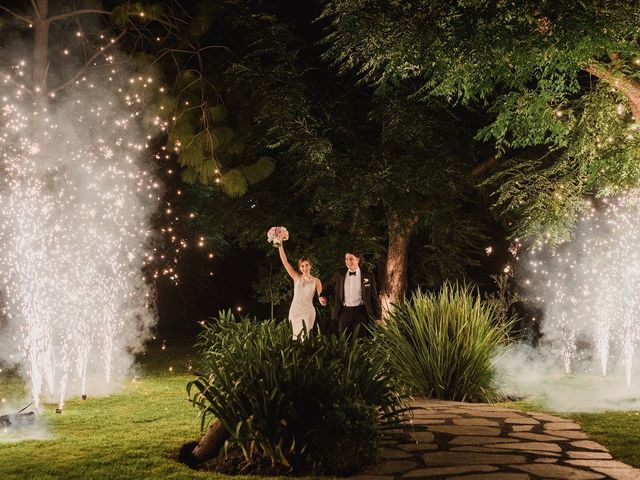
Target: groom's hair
{"type": "Point", "coordinates": [355, 253]}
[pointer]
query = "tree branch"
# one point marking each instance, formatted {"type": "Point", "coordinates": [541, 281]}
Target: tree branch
{"type": "Point", "coordinates": [76, 13]}
{"type": "Point", "coordinates": [87, 64]}
{"type": "Point", "coordinates": [483, 166]}
{"type": "Point", "coordinates": [629, 87]}
{"type": "Point", "coordinates": [19, 17]}
{"type": "Point", "coordinates": [36, 10]}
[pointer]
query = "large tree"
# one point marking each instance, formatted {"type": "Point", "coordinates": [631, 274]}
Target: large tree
{"type": "Point", "coordinates": [375, 169]}
{"type": "Point", "coordinates": [560, 80]}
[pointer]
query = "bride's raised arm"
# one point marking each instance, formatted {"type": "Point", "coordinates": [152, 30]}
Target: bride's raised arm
{"type": "Point", "coordinates": [290, 270]}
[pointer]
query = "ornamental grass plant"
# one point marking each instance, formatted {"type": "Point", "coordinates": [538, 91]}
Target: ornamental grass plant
{"type": "Point", "coordinates": [308, 406]}
{"type": "Point", "coordinates": [441, 345]}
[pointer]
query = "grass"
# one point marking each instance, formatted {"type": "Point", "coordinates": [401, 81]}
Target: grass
{"type": "Point", "coordinates": [132, 435]}
{"type": "Point", "coordinates": [618, 431]}
{"type": "Point", "coordinates": [137, 434]}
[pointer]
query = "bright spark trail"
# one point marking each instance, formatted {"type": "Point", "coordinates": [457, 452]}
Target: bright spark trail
{"type": "Point", "coordinates": [75, 202]}
{"type": "Point", "coordinates": [589, 290]}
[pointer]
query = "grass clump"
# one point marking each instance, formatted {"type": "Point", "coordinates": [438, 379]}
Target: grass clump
{"type": "Point", "coordinates": [441, 344]}
{"type": "Point", "coordinates": [309, 406]}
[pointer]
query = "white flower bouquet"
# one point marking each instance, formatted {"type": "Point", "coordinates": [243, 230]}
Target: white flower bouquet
{"type": "Point", "coordinates": [277, 235]}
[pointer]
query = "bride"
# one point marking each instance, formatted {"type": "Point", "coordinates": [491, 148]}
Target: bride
{"type": "Point", "coordinates": [305, 286]}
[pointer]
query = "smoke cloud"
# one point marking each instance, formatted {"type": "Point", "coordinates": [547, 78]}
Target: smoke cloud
{"type": "Point", "coordinates": [76, 196]}
{"type": "Point", "coordinates": [589, 292]}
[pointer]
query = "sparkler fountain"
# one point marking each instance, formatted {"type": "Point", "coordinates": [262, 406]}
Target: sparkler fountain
{"type": "Point", "coordinates": [75, 203]}
{"type": "Point", "coordinates": [589, 290]}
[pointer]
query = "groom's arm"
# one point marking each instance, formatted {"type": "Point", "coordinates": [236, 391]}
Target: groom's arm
{"type": "Point", "coordinates": [329, 289]}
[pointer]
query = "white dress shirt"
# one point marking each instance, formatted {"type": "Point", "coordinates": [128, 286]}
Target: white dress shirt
{"type": "Point", "coordinates": [353, 289]}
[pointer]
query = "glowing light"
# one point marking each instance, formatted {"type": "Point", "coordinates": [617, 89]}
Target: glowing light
{"type": "Point", "coordinates": [73, 232]}
{"type": "Point", "coordinates": [589, 287]}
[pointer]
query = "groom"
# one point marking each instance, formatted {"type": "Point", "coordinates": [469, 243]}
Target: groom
{"type": "Point", "coordinates": [356, 296]}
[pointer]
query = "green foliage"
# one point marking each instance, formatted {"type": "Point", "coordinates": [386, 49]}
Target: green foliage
{"type": "Point", "coordinates": [533, 66]}
{"type": "Point", "coordinates": [545, 194]}
{"type": "Point", "coordinates": [234, 183]}
{"type": "Point", "coordinates": [273, 394]}
{"type": "Point", "coordinates": [347, 439]}
{"type": "Point", "coordinates": [441, 344]}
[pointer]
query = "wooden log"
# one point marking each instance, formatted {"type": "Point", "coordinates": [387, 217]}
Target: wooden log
{"type": "Point", "coordinates": [211, 442]}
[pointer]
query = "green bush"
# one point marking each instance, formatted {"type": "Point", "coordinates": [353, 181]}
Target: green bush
{"type": "Point", "coordinates": [441, 345]}
{"type": "Point", "coordinates": [278, 397]}
{"type": "Point", "coordinates": [346, 439]}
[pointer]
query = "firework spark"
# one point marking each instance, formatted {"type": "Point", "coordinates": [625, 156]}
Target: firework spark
{"type": "Point", "coordinates": [75, 203]}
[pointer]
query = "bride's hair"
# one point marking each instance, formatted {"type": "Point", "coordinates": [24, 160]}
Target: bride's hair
{"type": "Point", "coordinates": [304, 259]}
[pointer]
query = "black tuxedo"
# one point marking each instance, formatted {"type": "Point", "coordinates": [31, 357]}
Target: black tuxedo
{"type": "Point", "coordinates": [370, 300]}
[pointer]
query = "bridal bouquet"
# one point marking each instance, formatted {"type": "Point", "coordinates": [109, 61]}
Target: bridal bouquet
{"type": "Point", "coordinates": [277, 235]}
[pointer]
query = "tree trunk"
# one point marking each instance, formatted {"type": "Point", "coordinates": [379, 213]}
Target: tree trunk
{"type": "Point", "coordinates": [40, 51]}
{"type": "Point", "coordinates": [629, 87]}
{"type": "Point", "coordinates": [394, 282]}
{"type": "Point", "coordinates": [211, 442]}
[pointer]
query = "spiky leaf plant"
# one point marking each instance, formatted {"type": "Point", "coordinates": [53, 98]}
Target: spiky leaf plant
{"type": "Point", "coordinates": [277, 397]}
{"type": "Point", "coordinates": [440, 345]}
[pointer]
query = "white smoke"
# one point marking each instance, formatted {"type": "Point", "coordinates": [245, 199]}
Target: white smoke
{"type": "Point", "coordinates": [589, 291]}
{"type": "Point", "coordinates": [76, 196]}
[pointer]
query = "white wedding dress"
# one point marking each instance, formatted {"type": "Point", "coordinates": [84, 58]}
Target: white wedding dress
{"type": "Point", "coordinates": [302, 311]}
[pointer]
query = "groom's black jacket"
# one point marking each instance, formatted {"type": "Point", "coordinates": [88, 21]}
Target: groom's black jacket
{"type": "Point", "coordinates": [370, 297]}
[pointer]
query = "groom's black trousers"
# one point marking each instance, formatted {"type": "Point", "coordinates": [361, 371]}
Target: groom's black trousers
{"type": "Point", "coordinates": [350, 317]}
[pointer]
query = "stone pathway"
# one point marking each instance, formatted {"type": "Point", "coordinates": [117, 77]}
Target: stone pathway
{"type": "Point", "coordinates": [453, 440]}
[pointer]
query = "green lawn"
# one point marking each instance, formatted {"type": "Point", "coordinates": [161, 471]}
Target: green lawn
{"type": "Point", "coordinates": [137, 434]}
{"type": "Point", "coordinates": [618, 431]}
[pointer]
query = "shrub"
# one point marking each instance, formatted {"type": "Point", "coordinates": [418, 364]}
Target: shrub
{"type": "Point", "coordinates": [441, 345]}
{"type": "Point", "coordinates": [280, 398]}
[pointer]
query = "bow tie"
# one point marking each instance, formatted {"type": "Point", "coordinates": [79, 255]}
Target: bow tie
{"type": "Point", "coordinates": [352, 273]}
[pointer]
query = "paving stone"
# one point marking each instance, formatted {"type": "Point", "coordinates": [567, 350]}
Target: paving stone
{"type": "Point", "coordinates": [521, 421]}
{"type": "Point", "coordinates": [372, 477]}
{"type": "Point", "coordinates": [589, 455]}
{"type": "Point", "coordinates": [465, 430]}
{"type": "Point", "coordinates": [418, 447]}
{"type": "Point", "coordinates": [487, 407]}
{"type": "Point", "coordinates": [599, 463]}
{"type": "Point", "coordinates": [478, 422]}
{"type": "Point", "coordinates": [540, 446]}
{"type": "Point", "coordinates": [389, 454]}
{"type": "Point", "coordinates": [436, 416]}
{"type": "Point", "coordinates": [442, 471]}
{"type": "Point", "coordinates": [462, 440]}
{"type": "Point", "coordinates": [547, 470]}
{"type": "Point", "coordinates": [492, 476]}
{"type": "Point", "coordinates": [561, 426]}
{"type": "Point", "coordinates": [619, 473]}
{"type": "Point", "coordinates": [538, 437]}
{"type": "Point", "coordinates": [589, 445]}
{"type": "Point", "coordinates": [454, 458]}
{"type": "Point", "coordinates": [423, 437]}
{"type": "Point", "coordinates": [427, 421]}
{"type": "Point", "coordinates": [547, 418]}
{"type": "Point", "coordinates": [473, 448]}
{"type": "Point", "coordinates": [489, 413]}
{"type": "Point", "coordinates": [392, 467]}
{"type": "Point", "coordinates": [572, 434]}
{"type": "Point", "coordinates": [427, 403]}
{"type": "Point", "coordinates": [522, 428]}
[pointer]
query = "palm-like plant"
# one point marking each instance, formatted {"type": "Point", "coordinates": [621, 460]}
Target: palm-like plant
{"type": "Point", "coordinates": [441, 345]}
{"type": "Point", "coordinates": [273, 395]}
